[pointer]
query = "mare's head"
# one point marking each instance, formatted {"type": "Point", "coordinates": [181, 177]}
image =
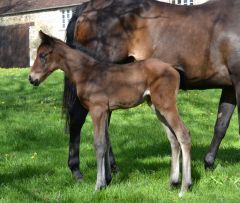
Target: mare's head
{"type": "Point", "coordinates": [46, 60]}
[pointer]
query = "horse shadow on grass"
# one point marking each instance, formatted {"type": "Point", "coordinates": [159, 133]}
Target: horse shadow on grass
{"type": "Point", "coordinates": [135, 158]}
{"type": "Point", "coordinates": [132, 159]}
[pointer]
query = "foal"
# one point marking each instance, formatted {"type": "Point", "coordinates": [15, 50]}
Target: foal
{"type": "Point", "coordinates": [101, 90]}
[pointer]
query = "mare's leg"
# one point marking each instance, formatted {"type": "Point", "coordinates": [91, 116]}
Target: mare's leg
{"type": "Point", "coordinates": [114, 167]}
{"type": "Point", "coordinates": [234, 66]}
{"type": "Point", "coordinates": [77, 116]}
{"type": "Point", "coordinates": [101, 142]}
{"type": "Point", "coordinates": [225, 110]}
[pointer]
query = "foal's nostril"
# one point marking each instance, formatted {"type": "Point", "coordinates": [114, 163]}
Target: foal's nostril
{"type": "Point", "coordinates": [33, 82]}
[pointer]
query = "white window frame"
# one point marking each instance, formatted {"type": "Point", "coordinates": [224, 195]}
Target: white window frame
{"type": "Point", "coordinates": [184, 2]}
{"type": "Point", "coordinates": [66, 15]}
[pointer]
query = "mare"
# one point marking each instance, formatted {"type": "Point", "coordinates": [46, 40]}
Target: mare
{"type": "Point", "coordinates": [204, 40]}
{"type": "Point", "coordinates": [104, 87]}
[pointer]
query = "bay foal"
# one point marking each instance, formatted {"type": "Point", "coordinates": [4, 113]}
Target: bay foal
{"type": "Point", "coordinates": [101, 90]}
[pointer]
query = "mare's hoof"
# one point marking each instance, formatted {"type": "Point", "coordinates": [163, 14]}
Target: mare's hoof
{"type": "Point", "coordinates": [108, 180]}
{"type": "Point", "coordinates": [77, 175]}
{"type": "Point", "coordinates": [114, 168]}
{"type": "Point", "coordinates": [208, 162]}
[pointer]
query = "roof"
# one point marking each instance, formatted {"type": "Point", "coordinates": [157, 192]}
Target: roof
{"type": "Point", "coordinates": [14, 7]}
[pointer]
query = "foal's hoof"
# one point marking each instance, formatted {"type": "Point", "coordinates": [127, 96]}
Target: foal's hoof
{"type": "Point", "coordinates": [114, 168]}
{"type": "Point", "coordinates": [174, 184]}
{"type": "Point", "coordinates": [100, 187]}
{"type": "Point", "coordinates": [77, 175]}
{"type": "Point", "coordinates": [181, 194]}
{"type": "Point", "coordinates": [184, 189]}
{"type": "Point", "coordinates": [209, 162]}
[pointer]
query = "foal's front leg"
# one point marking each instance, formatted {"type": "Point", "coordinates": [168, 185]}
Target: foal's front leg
{"type": "Point", "coordinates": [101, 142]}
{"type": "Point", "coordinates": [108, 167]}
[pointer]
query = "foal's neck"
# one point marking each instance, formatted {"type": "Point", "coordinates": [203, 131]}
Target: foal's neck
{"type": "Point", "coordinates": [74, 61]}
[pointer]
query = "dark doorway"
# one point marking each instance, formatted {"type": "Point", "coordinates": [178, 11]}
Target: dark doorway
{"type": "Point", "coordinates": [14, 46]}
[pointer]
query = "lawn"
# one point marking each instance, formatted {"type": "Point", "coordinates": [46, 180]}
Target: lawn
{"type": "Point", "coordinates": [34, 149]}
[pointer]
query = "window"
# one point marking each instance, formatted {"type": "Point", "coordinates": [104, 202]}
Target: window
{"type": "Point", "coordinates": [66, 16]}
{"type": "Point", "coordinates": [183, 2]}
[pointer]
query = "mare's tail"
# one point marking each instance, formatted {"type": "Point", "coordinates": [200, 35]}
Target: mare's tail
{"type": "Point", "coordinates": [70, 93]}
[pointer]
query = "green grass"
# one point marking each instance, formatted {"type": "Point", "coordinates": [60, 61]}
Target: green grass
{"type": "Point", "coordinates": [34, 149]}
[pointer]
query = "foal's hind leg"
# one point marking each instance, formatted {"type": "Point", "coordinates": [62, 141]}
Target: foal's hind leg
{"type": "Point", "coordinates": [163, 93]}
{"type": "Point", "coordinates": [170, 117]}
{"type": "Point", "coordinates": [225, 110]}
{"type": "Point", "coordinates": [175, 148]}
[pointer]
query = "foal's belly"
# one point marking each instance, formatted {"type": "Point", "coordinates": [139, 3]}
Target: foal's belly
{"type": "Point", "coordinates": [126, 99]}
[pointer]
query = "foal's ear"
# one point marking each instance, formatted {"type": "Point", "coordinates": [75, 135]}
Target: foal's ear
{"type": "Point", "coordinates": [46, 39]}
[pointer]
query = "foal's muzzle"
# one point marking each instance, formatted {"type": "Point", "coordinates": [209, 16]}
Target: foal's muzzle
{"type": "Point", "coordinates": [35, 82]}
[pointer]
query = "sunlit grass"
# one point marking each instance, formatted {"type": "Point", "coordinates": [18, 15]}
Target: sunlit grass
{"type": "Point", "coordinates": [34, 149]}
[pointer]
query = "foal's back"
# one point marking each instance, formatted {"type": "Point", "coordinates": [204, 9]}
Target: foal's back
{"type": "Point", "coordinates": [127, 85]}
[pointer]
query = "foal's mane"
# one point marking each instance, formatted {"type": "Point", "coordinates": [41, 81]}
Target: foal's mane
{"type": "Point", "coordinates": [52, 41]}
{"type": "Point", "coordinates": [89, 52]}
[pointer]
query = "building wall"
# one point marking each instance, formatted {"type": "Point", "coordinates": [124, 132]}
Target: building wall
{"type": "Point", "coordinates": [48, 21]}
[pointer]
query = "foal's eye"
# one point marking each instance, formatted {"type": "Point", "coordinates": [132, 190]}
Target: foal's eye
{"type": "Point", "coordinates": [43, 58]}
{"type": "Point", "coordinates": [41, 55]}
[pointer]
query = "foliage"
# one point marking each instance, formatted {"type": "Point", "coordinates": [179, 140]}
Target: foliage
{"type": "Point", "coordinates": [34, 149]}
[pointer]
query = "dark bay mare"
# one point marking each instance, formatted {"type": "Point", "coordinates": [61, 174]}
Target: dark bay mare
{"type": "Point", "coordinates": [104, 87]}
{"type": "Point", "coordinates": [204, 40]}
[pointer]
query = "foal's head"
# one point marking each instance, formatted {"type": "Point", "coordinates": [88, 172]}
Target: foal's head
{"type": "Point", "coordinates": [47, 59]}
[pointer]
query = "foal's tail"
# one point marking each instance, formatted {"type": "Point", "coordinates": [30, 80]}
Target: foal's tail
{"type": "Point", "coordinates": [69, 92]}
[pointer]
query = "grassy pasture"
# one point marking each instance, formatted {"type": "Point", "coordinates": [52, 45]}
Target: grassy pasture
{"type": "Point", "coordinates": [34, 149]}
